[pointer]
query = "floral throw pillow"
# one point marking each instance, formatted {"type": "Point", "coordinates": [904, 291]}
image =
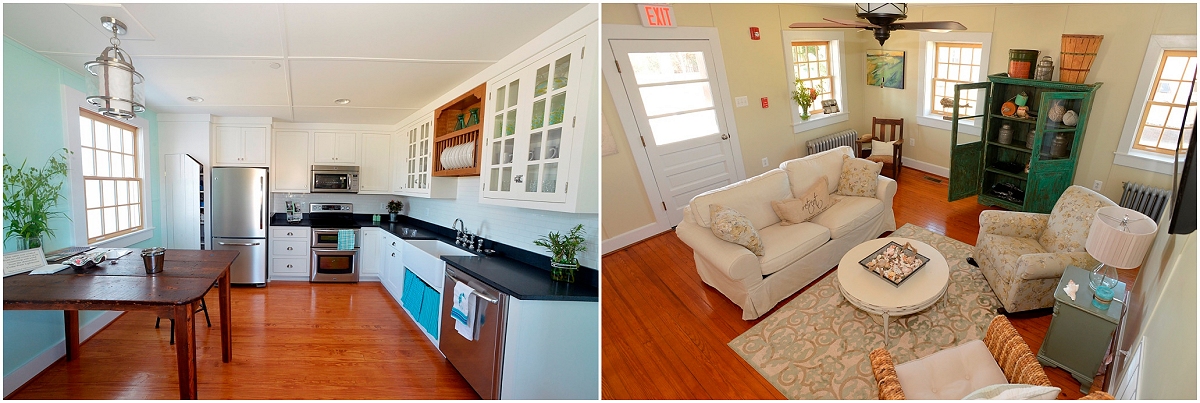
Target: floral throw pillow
{"type": "Point", "coordinates": [803, 208]}
{"type": "Point", "coordinates": [732, 226]}
{"type": "Point", "coordinates": [858, 177]}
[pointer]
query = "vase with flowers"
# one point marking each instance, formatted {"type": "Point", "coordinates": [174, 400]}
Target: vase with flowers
{"type": "Point", "coordinates": [563, 264]}
{"type": "Point", "coordinates": [805, 96]}
{"type": "Point", "coordinates": [31, 196]}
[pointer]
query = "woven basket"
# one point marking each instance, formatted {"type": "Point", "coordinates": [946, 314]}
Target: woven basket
{"type": "Point", "coordinates": [1078, 52]}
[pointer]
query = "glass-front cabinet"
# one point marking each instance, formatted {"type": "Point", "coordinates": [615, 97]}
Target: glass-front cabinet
{"type": "Point", "coordinates": [1032, 133]}
{"type": "Point", "coordinates": [536, 140]}
{"type": "Point", "coordinates": [413, 162]}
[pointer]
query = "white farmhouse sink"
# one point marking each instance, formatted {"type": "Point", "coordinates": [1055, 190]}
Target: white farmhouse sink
{"type": "Point", "coordinates": [424, 258]}
{"type": "Point", "coordinates": [438, 249]}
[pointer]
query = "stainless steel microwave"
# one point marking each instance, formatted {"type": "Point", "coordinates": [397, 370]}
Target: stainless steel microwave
{"type": "Point", "coordinates": [334, 179]}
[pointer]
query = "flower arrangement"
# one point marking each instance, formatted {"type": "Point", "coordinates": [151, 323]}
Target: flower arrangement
{"type": "Point", "coordinates": [30, 195]}
{"type": "Point", "coordinates": [805, 96]}
{"type": "Point", "coordinates": [564, 248]}
{"type": "Point", "coordinates": [394, 206]}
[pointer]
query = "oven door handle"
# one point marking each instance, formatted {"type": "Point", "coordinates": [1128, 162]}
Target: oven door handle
{"type": "Point", "coordinates": [489, 299]}
{"type": "Point", "coordinates": [327, 250]}
{"type": "Point", "coordinates": [238, 244]}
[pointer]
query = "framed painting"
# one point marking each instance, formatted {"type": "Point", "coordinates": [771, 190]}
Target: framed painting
{"type": "Point", "coordinates": [885, 68]}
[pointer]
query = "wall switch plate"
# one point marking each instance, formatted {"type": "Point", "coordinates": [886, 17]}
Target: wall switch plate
{"type": "Point", "coordinates": [741, 101]}
{"type": "Point", "coordinates": [912, 141]}
{"type": "Point", "coordinates": [765, 162]}
{"type": "Point", "coordinates": [1097, 185]}
{"type": "Point", "coordinates": [383, 206]}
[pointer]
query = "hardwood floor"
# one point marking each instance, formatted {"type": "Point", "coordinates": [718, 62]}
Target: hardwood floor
{"type": "Point", "coordinates": [291, 340]}
{"type": "Point", "coordinates": [665, 331]}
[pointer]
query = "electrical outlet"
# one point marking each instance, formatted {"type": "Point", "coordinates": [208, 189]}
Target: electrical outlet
{"type": "Point", "coordinates": [383, 206]}
{"type": "Point", "coordinates": [765, 162]}
{"type": "Point", "coordinates": [912, 141]}
{"type": "Point", "coordinates": [1097, 185]}
{"type": "Point", "coordinates": [741, 101]}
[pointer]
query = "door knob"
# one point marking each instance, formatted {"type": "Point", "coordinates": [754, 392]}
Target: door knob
{"type": "Point", "coordinates": [724, 136]}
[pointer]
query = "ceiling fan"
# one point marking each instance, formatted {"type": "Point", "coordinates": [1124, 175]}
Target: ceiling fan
{"type": "Point", "coordinates": [883, 17]}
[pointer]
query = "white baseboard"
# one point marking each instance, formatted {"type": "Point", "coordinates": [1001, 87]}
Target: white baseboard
{"type": "Point", "coordinates": [629, 238]}
{"type": "Point", "coordinates": [927, 167]}
{"type": "Point", "coordinates": [38, 364]}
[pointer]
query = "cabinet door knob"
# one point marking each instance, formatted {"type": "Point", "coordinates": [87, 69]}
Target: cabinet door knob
{"type": "Point", "coordinates": [393, 244]}
{"type": "Point", "coordinates": [289, 248]}
{"type": "Point", "coordinates": [393, 254]}
{"type": "Point", "coordinates": [289, 266]}
{"type": "Point", "coordinates": [289, 234]}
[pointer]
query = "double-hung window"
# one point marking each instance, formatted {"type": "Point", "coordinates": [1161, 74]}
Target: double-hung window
{"type": "Point", "coordinates": [817, 59]}
{"type": "Point", "coordinates": [946, 60]}
{"type": "Point", "coordinates": [112, 180]}
{"type": "Point", "coordinates": [1155, 119]}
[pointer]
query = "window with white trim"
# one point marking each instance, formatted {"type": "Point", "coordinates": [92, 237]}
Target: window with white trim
{"type": "Point", "coordinates": [948, 59]}
{"type": "Point", "coordinates": [818, 60]}
{"type": "Point", "coordinates": [112, 179]}
{"type": "Point", "coordinates": [1155, 116]}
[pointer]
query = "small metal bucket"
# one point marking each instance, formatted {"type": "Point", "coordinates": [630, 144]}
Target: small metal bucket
{"type": "Point", "coordinates": [153, 259]}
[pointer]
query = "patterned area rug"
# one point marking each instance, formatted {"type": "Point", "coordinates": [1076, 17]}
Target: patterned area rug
{"type": "Point", "coordinates": [816, 346]}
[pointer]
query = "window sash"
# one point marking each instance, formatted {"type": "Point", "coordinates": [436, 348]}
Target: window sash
{"type": "Point", "coordinates": [1144, 125]}
{"type": "Point", "coordinates": [826, 81]}
{"type": "Point", "coordinates": [935, 106]}
{"type": "Point", "coordinates": [133, 181]}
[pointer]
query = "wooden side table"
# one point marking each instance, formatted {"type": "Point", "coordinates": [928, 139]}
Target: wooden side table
{"type": "Point", "coordinates": [1079, 333]}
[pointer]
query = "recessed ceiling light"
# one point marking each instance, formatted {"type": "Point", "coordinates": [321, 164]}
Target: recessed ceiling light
{"type": "Point", "coordinates": [275, 65]}
{"type": "Point", "coordinates": [341, 101]}
{"type": "Point", "coordinates": [195, 99]}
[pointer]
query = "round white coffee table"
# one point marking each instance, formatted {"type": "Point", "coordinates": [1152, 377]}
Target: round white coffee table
{"type": "Point", "coordinates": [875, 295]}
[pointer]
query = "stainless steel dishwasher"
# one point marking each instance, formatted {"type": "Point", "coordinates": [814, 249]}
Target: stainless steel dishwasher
{"type": "Point", "coordinates": [479, 361]}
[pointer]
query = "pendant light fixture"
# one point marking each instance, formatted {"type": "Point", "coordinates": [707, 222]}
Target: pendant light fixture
{"type": "Point", "coordinates": [115, 84]}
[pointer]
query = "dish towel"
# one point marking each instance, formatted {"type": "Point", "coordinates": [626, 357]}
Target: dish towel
{"type": "Point", "coordinates": [346, 239]}
{"type": "Point", "coordinates": [463, 310]}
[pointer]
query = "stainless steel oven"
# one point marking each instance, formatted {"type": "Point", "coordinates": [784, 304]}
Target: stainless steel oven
{"type": "Point", "coordinates": [334, 179]}
{"type": "Point", "coordinates": [333, 265]}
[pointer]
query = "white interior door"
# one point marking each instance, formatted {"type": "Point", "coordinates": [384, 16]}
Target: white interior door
{"type": "Point", "coordinates": [678, 105]}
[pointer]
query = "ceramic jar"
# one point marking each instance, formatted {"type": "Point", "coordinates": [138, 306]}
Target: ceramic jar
{"type": "Point", "coordinates": [1061, 147]}
{"type": "Point", "coordinates": [1006, 134]}
{"type": "Point", "coordinates": [1070, 118]}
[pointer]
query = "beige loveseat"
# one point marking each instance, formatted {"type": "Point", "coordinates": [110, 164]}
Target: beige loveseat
{"type": "Point", "coordinates": [793, 255]}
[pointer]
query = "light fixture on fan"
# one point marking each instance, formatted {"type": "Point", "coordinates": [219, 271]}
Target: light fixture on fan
{"type": "Point", "coordinates": [115, 83]}
{"type": "Point", "coordinates": [883, 17]}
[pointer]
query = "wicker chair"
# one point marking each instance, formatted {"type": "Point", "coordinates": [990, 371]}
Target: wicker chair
{"type": "Point", "coordinates": [1007, 347]}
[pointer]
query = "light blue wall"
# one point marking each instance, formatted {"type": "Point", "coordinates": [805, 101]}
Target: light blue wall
{"type": "Point", "coordinates": [33, 130]}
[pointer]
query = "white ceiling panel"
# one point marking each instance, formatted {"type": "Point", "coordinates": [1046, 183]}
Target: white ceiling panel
{"type": "Point", "coordinates": [375, 116]}
{"type": "Point", "coordinates": [52, 27]}
{"type": "Point", "coordinates": [283, 113]}
{"type": "Point", "coordinates": [420, 31]}
{"type": "Point", "coordinates": [250, 82]}
{"type": "Point", "coordinates": [209, 29]}
{"type": "Point", "coordinates": [375, 83]}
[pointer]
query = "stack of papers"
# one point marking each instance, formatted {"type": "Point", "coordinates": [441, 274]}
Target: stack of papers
{"type": "Point", "coordinates": [29, 260]}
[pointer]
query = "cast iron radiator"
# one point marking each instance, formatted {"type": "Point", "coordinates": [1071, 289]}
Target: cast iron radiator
{"type": "Point", "coordinates": [1145, 199]}
{"type": "Point", "coordinates": [842, 138]}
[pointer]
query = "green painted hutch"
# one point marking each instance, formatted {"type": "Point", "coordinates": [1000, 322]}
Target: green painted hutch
{"type": "Point", "coordinates": [1012, 171]}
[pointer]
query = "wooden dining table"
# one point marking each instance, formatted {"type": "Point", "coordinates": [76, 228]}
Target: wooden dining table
{"type": "Point", "coordinates": [124, 285]}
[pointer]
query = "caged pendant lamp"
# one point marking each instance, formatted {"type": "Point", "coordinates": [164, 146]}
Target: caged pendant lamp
{"type": "Point", "coordinates": [115, 85]}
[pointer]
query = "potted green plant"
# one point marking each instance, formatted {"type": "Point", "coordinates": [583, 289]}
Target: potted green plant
{"type": "Point", "coordinates": [394, 208]}
{"type": "Point", "coordinates": [805, 97]}
{"type": "Point", "coordinates": [30, 198]}
{"type": "Point", "coordinates": [563, 264]}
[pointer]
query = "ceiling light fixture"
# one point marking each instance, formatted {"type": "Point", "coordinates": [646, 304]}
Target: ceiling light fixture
{"type": "Point", "coordinates": [115, 82]}
{"type": "Point", "coordinates": [341, 101]}
{"type": "Point", "coordinates": [275, 65]}
{"type": "Point", "coordinates": [195, 99]}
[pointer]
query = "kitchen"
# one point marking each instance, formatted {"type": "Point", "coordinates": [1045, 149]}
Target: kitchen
{"type": "Point", "coordinates": [271, 120]}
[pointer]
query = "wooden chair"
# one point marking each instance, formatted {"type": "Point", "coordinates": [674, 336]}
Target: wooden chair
{"type": "Point", "coordinates": [203, 308]}
{"type": "Point", "coordinates": [886, 130]}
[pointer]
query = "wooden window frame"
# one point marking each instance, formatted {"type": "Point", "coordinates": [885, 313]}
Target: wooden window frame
{"type": "Point", "coordinates": [137, 177]}
{"type": "Point", "coordinates": [1142, 125]}
{"type": "Point", "coordinates": [935, 106]}
{"type": "Point", "coordinates": [826, 93]}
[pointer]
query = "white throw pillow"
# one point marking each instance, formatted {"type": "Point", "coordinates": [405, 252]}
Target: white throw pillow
{"type": "Point", "coordinates": [882, 147]}
{"type": "Point", "coordinates": [1014, 391]}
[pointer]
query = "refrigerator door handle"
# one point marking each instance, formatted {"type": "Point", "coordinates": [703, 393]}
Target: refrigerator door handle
{"type": "Point", "coordinates": [261, 188]}
{"type": "Point", "coordinates": [239, 244]}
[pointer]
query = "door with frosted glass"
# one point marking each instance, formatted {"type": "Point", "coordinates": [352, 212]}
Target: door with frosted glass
{"type": "Point", "coordinates": [678, 106]}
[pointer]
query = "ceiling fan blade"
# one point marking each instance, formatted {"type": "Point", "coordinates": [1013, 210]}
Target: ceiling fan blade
{"type": "Point", "coordinates": [930, 26]}
{"type": "Point", "coordinates": [819, 25]}
{"type": "Point", "coordinates": [852, 23]}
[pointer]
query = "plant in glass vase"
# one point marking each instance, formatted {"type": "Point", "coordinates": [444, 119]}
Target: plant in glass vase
{"type": "Point", "coordinates": [30, 196]}
{"type": "Point", "coordinates": [393, 208]}
{"type": "Point", "coordinates": [805, 96]}
{"type": "Point", "coordinates": [564, 248]}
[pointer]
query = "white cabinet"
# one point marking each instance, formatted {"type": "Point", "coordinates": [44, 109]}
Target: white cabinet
{"type": "Point", "coordinates": [540, 151]}
{"type": "Point", "coordinates": [391, 265]}
{"type": "Point", "coordinates": [416, 164]}
{"type": "Point", "coordinates": [375, 171]}
{"type": "Point", "coordinates": [335, 148]}
{"type": "Point", "coordinates": [241, 146]}
{"type": "Point", "coordinates": [536, 334]}
{"type": "Point", "coordinates": [289, 253]}
{"type": "Point", "coordinates": [289, 162]}
{"type": "Point", "coordinates": [369, 254]}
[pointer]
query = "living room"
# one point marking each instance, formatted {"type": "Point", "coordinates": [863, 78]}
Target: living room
{"type": "Point", "coordinates": [675, 331]}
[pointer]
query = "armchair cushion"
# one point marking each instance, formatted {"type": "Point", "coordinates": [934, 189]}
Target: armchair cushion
{"type": "Point", "coordinates": [950, 374]}
{"type": "Point", "coordinates": [731, 226]}
{"type": "Point", "coordinates": [1071, 219]}
{"type": "Point", "coordinates": [1014, 391]}
{"type": "Point", "coordinates": [1012, 224]}
{"type": "Point", "coordinates": [858, 177]}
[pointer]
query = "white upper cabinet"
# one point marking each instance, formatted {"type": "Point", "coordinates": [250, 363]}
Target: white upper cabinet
{"type": "Point", "coordinates": [375, 172]}
{"type": "Point", "coordinates": [335, 148]}
{"type": "Point", "coordinates": [241, 146]}
{"type": "Point", "coordinates": [539, 151]}
{"type": "Point", "coordinates": [416, 164]}
{"type": "Point", "coordinates": [289, 166]}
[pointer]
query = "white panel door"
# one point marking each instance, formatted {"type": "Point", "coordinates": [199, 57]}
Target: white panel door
{"type": "Point", "coordinates": [229, 146]}
{"type": "Point", "coordinates": [677, 103]}
{"type": "Point", "coordinates": [256, 146]}
{"type": "Point", "coordinates": [376, 168]}
{"type": "Point", "coordinates": [290, 172]}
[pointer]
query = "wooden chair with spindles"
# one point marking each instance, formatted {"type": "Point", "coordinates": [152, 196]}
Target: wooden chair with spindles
{"type": "Point", "coordinates": [885, 131]}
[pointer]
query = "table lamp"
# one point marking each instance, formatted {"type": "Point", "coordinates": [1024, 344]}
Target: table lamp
{"type": "Point", "coordinates": [1119, 238]}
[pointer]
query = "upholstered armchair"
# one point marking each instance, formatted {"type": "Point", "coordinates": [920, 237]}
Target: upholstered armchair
{"type": "Point", "coordinates": [1002, 357]}
{"type": "Point", "coordinates": [1023, 255]}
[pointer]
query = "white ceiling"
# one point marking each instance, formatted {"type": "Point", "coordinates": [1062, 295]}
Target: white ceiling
{"type": "Point", "coordinates": [388, 59]}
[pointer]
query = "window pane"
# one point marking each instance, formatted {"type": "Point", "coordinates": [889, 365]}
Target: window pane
{"type": "Point", "coordinates": [101, 135]}
{"type": "Point", "coordinates": [661, 67]}
{"type": "Point", "coordinates": [823, 69]}
{"type": "Point", "coordinates": [673, 98]}
{"type": "Point", "coordinates": [85, 132]}
{"type": "Point", "coordinates": [135, 215]}
{"type": "Point", "coordinates": [122, 218]}
{"type": "Point", "coordinates": [102, 161]}
{"type": "Point", "coordinates": [110, 220]}
{"type": "Point", "coordinates": [1150, 136]}
{"type": "Point", "coordinates": [978, 57]}
{"type": "Point", "coordinates": [116, 165]}
{"type": "Point", "coordinates": [943, 54]}
{"type": "Point", "coordinates": [1174, 67]}
{"type": "Point", "coordinates": [1175, 118]}
{"type": "Point", "coordinates": [1184, 89]}
{"type": "Point", "coordinates": [114, 134]}
{"type": "Point", "coordinates": [1157, 115]}
{"type": "Point", "coordinates": [954, 55]}
{"type": "Point", "coordinates": [562, 67]}
{"type": "Point", "coordinates": [89, 161]}
{"type": "Point", "coordinates": [974, 73]}
{"type": "Point", "coordinates": [1166, 91]}
{"type": "Point", "coordinates": [671, 129]}
{"type": "Point", "coordinates": [122, 192]}
{"type": "Point", "coordinates": [130, 169]}
{"type": "Point", "coordinates": [91, 190]}
{"type": "Point", "coordinates": [941, 71]}
{"type": "Point", "coordinates": [952, 72]}
{"type": "Point", "coordinates": [129, 145]}
{"type": "Point", "coordinates": [108, 193]}
{"type": "Point", "coordinates": [94, 224]}
{"type": "Point", "coordinates": [1169, 138]}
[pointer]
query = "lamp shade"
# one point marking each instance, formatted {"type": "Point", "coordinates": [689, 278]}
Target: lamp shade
{"type": "Point", "coordinates": [1120, 237]}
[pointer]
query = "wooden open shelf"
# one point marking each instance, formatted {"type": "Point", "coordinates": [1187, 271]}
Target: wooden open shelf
{"type": "Point", "coordinates": [445, 135]}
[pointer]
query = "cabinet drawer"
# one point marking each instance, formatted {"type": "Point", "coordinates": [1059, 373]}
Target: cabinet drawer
{"type": "Point", "coordinates": [290, 232]}
{"type": "Point", "coordinates": [289, 248]}
{"type": "Point", "coordinates": [289, 266]}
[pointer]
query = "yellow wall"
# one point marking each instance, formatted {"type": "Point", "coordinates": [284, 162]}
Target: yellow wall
{"type": "Point", "coordinates": [756, 69]}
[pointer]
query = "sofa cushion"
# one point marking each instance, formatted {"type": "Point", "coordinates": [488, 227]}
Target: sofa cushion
{"type": "Point", "coordinates": [751, 197]}
{"type": "Point", "coordinates": [783, 245]}
{"type": "Point", "coordinates": [1001, 253]}
{"type": "Point", "coordinates": [848, 213]}
{"type": "Point", "coordinates": [804, 206]}
{"type": "Point", "coordinates": [859, 177]}
{"type": "Point", "coordinates": [950, 374]}
{"type": "Point", "coordinates": [803, 172]}
{"type": "Point", "coordinates": [730, 226]}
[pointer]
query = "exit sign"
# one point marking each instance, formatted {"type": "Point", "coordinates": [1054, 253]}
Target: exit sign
{"type": "Point", "coordinates": [657, 15]}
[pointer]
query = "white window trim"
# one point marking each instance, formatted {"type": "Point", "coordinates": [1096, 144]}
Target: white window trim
{"type": "Point", "coordinates": [1126, 155]}
{"type": "Point", "coordinates": [925, 75]}
{"type": "Point", "coordinates": [837, 64]}
{"type": "Point", "coordinates": [72, 100]}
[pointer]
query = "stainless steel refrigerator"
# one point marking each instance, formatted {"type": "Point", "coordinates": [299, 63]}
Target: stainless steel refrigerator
{"type": "Point", "coordinates": [239, 221]}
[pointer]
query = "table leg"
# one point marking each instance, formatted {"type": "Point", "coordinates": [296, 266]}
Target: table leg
{"type": "Point", "coordinates": [885, 329]}
{"type": "Point", "coordinates": [185, 350]}
{"type": "Point", "coordinates": [226, 332]}
{"type": "Point", "coordinates": [72, 328]}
